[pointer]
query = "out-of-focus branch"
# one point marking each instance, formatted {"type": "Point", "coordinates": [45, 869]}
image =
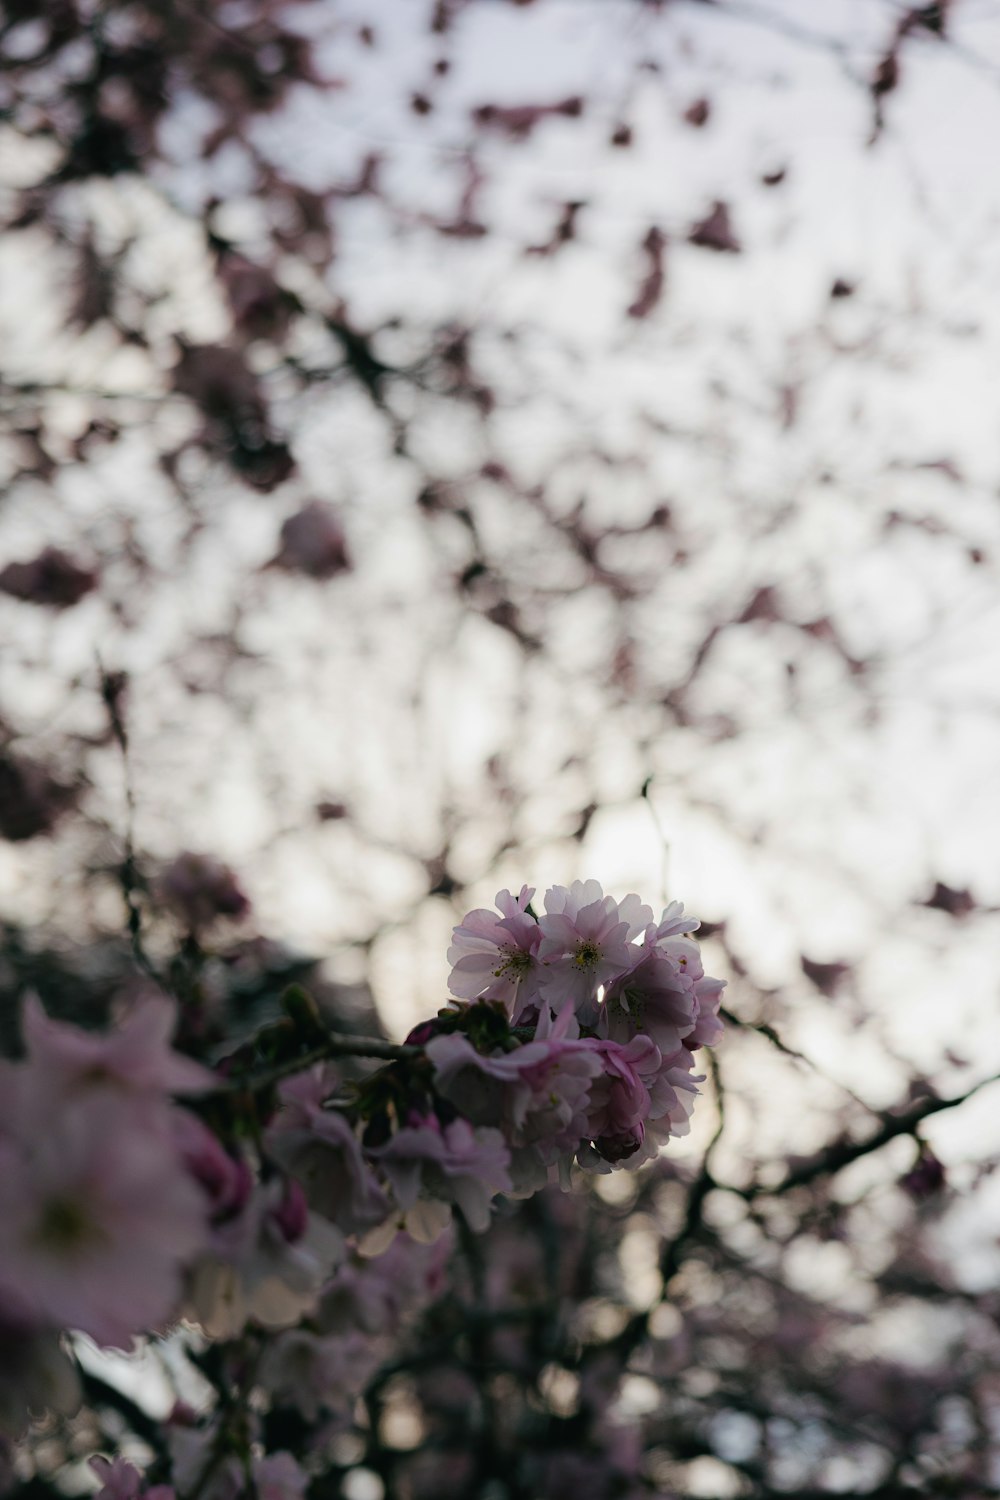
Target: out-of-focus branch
{"type": "Point", "coordinates": [841, 1153]}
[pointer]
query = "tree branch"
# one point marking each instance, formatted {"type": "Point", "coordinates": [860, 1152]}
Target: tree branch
{"type": "Point", "coordinates": [841, 1153]}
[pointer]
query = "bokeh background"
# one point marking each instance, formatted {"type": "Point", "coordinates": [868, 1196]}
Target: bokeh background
{"type": "Point", "coordinates": [490, 443]}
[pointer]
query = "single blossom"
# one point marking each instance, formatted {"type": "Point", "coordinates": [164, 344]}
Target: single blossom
{"type": "Point", "coordinates": [313, 542]}
{"type": "Point", "coordinates": [98, 1215]}
{"type": "Point", "coordinates": [655, 997]}
{"type": "Point", "coordinates": [708, 1027]}
{"type": "Point", "coordinates": [585, 944]}
{"type": "Point", "coordinates": [634, 1132]}
{"type": "Point", "coordinates": [121, 1480]}
{"type": "Point", "coordinates": [278, 1477]}
{"type": "Point", "coordinates": [226, 1179]}
{"type": "Point", "coordinates": [496, 958]}
{"type": "Point", "coordinates": [446, 1164]}
{"type": "Point", "coordinates": [672, 1096]}
{"type": "Point", "coordinates": [682, 952]}
{"type": "Point", "coordinates": [321, 1150]}
{"type": "Point", "coordinates": [675, 922]}
{"type": "Point", "coordinates": [199, 889]}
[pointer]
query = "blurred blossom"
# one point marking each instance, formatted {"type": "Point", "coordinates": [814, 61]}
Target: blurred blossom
{"type": "Point", "coordinates": [926, 1177]}
{"type": "Point", "coordinates": [320, 1148]}
{"type": "Point", "coordinates": [313, 542]}
{"type": "Point", "coordinates": [252, 1270]}
{"type": "Point", "coordinates": [261, 309]}
{"type": "Point", "coordinates": [97, 1214]}
{"type": "Point", "coordinates": [200, 889]}
{"type": "Point", "coordinates": [312, 1372]}
{"type": "Point", "coordinates": [121, 1480]}
{"type": "Point", "coordinates": [226, 1179]}
{"type": "Point", "coordinates": [375, 1294]}
{"type": "Point", "coordinates": [279, 1477]}
{"type": "Point", "coordinates": [32, 800]}
{"type": "Point", "coordinates": [134, 1057]}
{"type": "Point", "coordinates": [198, 1468]}
{"type": "Point", "coordinates": [52, 578]}
{"type": "Point", "coordinates": [450, 1164]}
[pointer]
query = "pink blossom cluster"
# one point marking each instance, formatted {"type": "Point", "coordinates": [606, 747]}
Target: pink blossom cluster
{"type": "Point", "coordinates": [616, 1004]}
{"type": "Point", "coordinates": [571, 1039]}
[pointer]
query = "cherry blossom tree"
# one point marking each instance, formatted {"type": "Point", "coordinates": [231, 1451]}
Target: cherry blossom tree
{"type": "Point", "coordinates": [453, 449]}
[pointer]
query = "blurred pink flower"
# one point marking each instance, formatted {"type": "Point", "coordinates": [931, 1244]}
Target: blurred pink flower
{"type": "Point", "coordinates": [313, 542]}
{"type": "Point", "coordinates": [320, 1149]}
{"type": "Point", "coordinates": [135, 1057]}
{"type": "Point", "coordinates": [268, 1262]}
{"type": "Point", "coordinates": [226, 1179]}
{"type": "Point", "coordinates": [279, 1477]}
{"type": "Point", "coordinates": [452, 1164]}
{"type": "Point", "coordinates": [97, 1215]}
{"type": "Point", "coordinates": [200, 889]}
{"type": "Point", "coordinates": [196, 1469]}
{"type": "Point", "coordinates": [375, 1294]}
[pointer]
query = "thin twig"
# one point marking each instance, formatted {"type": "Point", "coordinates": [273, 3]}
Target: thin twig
{"type": "Point", "coordinates": [112, 687]}
{"type": "Point", "coordinates": [841, 1153]}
